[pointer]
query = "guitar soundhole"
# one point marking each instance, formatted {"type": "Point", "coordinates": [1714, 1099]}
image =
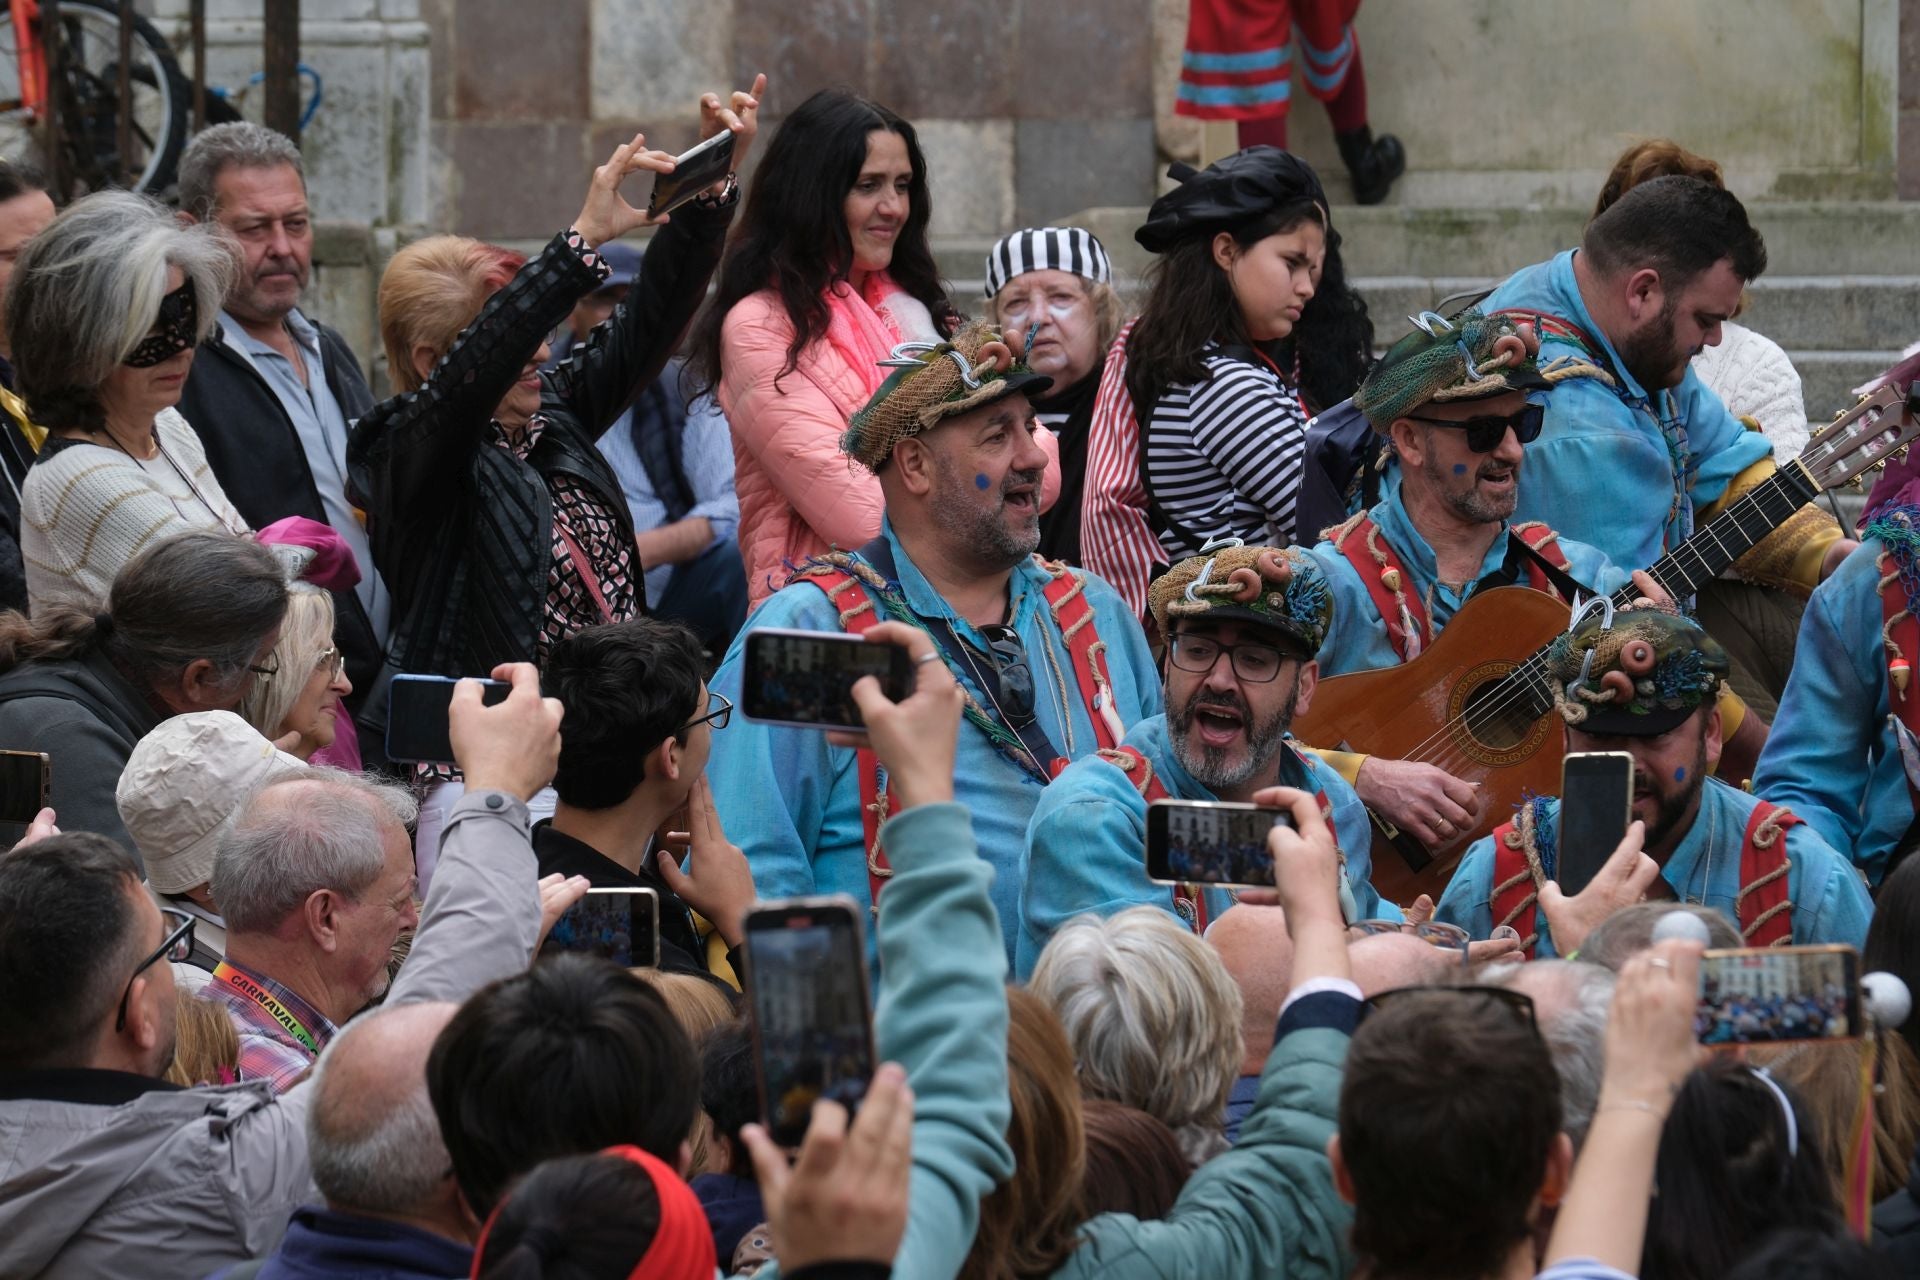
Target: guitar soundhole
{"type": "Point", "coordinates": [1501, 724]}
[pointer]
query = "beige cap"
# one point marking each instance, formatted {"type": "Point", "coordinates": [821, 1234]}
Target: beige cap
{"type": "Point", "coordinates": [185, 784]}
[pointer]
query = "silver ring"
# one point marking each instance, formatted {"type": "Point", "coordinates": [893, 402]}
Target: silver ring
{"type": "Point", "coordinates": [925, 658]}
{"type": "Point", "coordinates": [1660, 962]}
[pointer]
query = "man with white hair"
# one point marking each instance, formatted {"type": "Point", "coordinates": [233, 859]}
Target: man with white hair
{"type": "Point", "coordinates": [316, 883]}
{"type": "Point", "coordinates": [1570, 1003]}
{"type": "Point", "coordinates": [392, 1207]}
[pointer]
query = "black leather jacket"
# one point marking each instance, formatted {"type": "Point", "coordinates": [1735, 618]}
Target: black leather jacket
{"type": "Point", "coordinates": [462, 529]}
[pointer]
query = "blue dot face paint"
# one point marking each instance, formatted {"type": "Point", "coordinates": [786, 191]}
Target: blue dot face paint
{"type": "Point", "coordinates": [1680, 774]}
{"type": "Point", "coordinates": [981, 482]}
{"type": "Point", "coordinates": [1459, 468]}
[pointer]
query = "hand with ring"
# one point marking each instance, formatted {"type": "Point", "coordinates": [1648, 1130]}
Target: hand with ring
{"type": "Point", "coordinates": [915, 739]}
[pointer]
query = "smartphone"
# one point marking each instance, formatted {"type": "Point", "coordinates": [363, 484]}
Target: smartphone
{"type": "Point", "coordinates": [26, 787]}
{"type": "Point", "coordinates": [1211, 842]}
{"type": "Point", "coordinates": [807, 1001]}
{"type": "Point", "coordinates": [417, 730]}
{"type": "Point", "coordinates": [1762, 995]}
{"type": "Point", "coordinates": [806, 678]}
{"type": "Point", "coordinates": [692, 173]}
{"type": "Point", "coordinates": [621, 925]}
{"type": "Point", "coordinates": [1596, 804]}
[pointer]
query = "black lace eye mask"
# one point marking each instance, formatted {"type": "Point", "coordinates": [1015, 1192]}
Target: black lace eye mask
{"type": "Point", "coordinates": [173, 329]}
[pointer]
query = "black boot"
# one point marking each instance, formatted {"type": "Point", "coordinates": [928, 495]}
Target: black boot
{"type": "Point", "coordinates": [1373, 162]}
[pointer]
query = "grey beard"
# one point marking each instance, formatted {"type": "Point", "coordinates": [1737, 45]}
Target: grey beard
{"type": "Point", "coordinates": [984, 533]}
{"type": "Point", "coordinates": [1217, 770]}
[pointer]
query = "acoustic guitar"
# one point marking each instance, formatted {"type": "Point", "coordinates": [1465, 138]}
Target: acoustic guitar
{"type": "Point", "coordinates": [1477, 701]}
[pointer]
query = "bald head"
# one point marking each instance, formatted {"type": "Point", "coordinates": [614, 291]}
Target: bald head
{"type": "Point", "coordinates": [1386, 961]}
{"type": "Point", "coordinates": [374, 1142]}
{"type": "Point", "coordinates": [1254, 945]}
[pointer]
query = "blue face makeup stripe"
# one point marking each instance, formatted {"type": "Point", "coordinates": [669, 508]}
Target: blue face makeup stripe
{"type": "Point", "coordinates": [1459, 468]}
{"type": "Point", "coordinates": [981, 482]}
{"type": "Point", "coordinates": [1680, 774]}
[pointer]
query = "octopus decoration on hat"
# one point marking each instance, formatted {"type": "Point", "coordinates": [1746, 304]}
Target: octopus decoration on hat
{"type": "Point", "coordinates": [1280, 588]}
{"type": "Point", "coordinates": [1633, 673]}
{"type": "Point", "coordinates": [934, 381]}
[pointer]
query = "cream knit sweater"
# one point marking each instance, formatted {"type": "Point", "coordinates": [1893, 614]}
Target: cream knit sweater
{"type": "Point", "coordinates": [88, 509]}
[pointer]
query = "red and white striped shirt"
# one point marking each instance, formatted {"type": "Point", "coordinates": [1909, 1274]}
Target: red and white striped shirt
{"type": "Point", "coordinates": [1116, 542]}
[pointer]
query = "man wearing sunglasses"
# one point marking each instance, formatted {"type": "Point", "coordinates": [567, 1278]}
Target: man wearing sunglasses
{"type": "Point", "coordinates": [108, 1170]}
{"type": "Point", "coordinates": [1459, 401]}
{"type": "Point", "coordinates": [1242, 626]}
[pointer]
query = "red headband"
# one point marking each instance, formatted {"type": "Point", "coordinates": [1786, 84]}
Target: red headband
{"type": "Point", "coordinates": [682, 1246]}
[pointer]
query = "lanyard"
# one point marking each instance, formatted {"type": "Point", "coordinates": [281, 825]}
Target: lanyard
{"type": "Point", "coordinates": [224, 972]}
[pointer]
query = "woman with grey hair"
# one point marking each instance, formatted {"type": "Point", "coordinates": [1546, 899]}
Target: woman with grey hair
{"type": "Point", "coordinates": [1153, 1017]}
{"type": "Point", "coordinates": [300, 705]}
{"type": "Point", "coordinates": [105, 308]}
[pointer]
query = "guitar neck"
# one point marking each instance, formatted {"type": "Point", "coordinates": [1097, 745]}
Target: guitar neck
{"type": "Point", "coordinates": [1735, 531]}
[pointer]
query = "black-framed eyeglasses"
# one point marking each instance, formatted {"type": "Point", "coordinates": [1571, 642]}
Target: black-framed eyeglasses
{"type": "Point", "coordinates": [1518, 1002]}
{"type": "Point", "coordinates": [268, 672]}
{"type": "Point", "coordinates": [719, 711]}
{"type": "Point", "coordinates": [1016, 674]}
{"type": "Point", "coordinates": [1252, 661]}
{"type": "Point", "coordinates": [1485, 434]}
{"type": "Point", "coordinates": [176, 946]}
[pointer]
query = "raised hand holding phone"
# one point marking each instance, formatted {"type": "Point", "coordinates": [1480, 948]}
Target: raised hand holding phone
{"type": "Point", "coordinates": [915, 739]}
{"type": "Point", "coordinates": [606, 215]}
{"type": "Point", "coordinates": [1306, 882]}
{"type": "Point", "coordinates": [512, 747]}
{"type": "Point", "coordinates": [1621, 881]}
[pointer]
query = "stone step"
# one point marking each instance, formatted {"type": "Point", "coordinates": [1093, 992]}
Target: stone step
{"type": "Point", "coordinates": [1810, 238]}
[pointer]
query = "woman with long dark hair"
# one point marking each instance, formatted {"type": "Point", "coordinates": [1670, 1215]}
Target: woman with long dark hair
{"type": "Point", "coordinates": [828, 270]}
{"type": "Point", "coordinates": [1249, 329]}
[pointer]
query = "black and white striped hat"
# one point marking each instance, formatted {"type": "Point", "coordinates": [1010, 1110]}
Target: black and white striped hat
{"type": "Point", "coordinates": [1070, 249]}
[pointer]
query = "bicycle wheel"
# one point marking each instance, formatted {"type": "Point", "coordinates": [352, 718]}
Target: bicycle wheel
{"type": "Point", "coordinates": [86, 95]}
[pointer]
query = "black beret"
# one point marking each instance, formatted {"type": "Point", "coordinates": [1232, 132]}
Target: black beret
{"type": "Point", "coordinates": [1226, 194]}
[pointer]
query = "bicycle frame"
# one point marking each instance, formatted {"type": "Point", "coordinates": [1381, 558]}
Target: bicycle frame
{"type": "Point", "coordinates": [25, 15]}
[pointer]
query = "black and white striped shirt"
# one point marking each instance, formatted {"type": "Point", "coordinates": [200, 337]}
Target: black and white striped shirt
{"type": "Point", "coordinates": [1224, 457]}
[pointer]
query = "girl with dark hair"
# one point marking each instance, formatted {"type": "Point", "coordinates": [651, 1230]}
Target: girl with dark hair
{"type": "Point", "coordinates": [1248, 331]}
{"type": "Point", "coordinates": [828, 271]}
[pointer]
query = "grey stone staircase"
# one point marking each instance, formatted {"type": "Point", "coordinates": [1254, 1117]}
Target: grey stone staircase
{"type": "Point", "coordinates": [1841, 292]}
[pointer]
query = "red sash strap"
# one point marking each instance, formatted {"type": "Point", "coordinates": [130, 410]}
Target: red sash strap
{"type": "Point", "coordinates": [1514, 894]}
{"type": "Point", "coordinates": [1763, 907]}
{"type": "Point", "coordinates": [1900, 633]}
{"type": "Point", "coordinates": [1387, 582]}
{"type": "Point", "coordinates": [1546, 544]}
{"type": "Point", "coordinates": [1066, 597]}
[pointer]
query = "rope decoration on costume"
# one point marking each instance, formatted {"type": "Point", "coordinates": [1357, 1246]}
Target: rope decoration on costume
{"type": "Point", "coordinates": [1765, 836]}
{"type": "Point", "coordinates": [1899, 561]}
{"type": "Point", "coordinates": [1536, 845]}
{"type": "Point", "coordinates": [1390, 578]}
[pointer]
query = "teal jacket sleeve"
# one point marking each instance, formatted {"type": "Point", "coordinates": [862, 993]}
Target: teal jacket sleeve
{"type": "Point", "coordinates": [1468, 899]}
{"type": "Point", "coordinates": [1830, 900]}
{"type": "Point", "coordinates": [1084, 853]}
{"type": "Point", "coordinates": [1830, 757]}
{"type": "Point", "coordinates": [1720, 443]}
{"type": "Point", "coordinates": [1267, 1207]}
{"type": "Point", "coordinates": [943, 1016]}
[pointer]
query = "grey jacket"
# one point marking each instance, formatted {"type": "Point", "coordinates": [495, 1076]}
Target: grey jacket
{"type": "Point", "coordinates": [105, 1174]}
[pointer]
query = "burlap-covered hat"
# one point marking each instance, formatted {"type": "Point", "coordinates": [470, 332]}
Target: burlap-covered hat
{"type": "Point", "coordinates": [1469, 357]}
{"type": "Point", "coordinates": [934, 382]}
{"type": "Point", "coordinates": [1279, 588]}
{"type": "Point", "coordinates": [1638, 678]}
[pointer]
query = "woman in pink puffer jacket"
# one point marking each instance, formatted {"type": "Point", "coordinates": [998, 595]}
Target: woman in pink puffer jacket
{"type": "Point", "coordinates": [794, 337]}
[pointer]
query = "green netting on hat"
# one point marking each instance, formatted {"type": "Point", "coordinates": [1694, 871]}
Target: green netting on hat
{"type": "Point", "coordinates": [1283, 588]}
{"type": "Point", "coordinates": [934, 382]}
{"type": "Point", "coordinates": [1470, 356]}
{"type": "Point", "coordinates": [1648, 662]}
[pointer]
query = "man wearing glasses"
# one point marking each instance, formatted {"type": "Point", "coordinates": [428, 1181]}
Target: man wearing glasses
{"type": "Point", "coordinates": [640, 724]}
{"type": "Point", "coordinates": [1459, 400]}
{"type": "Point", "coordinates": [107, 1169]}
{"type": "Point", "coordinates": [1242, 626]}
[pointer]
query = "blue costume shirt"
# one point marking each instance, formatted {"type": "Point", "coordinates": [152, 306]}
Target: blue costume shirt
{"type": "Point", "coordinates": [1086, 846]}
{"type": "Point", "coordinates": [1611, 460]}
{"type": "Point", "coordinates": [792, 802]}
{"type": "Point", "coordinates": [1832, 757]}
{"type": "Point", "coordinates": [1358, 639]}
{"type": "Point", "coordinates": [1829, 902]}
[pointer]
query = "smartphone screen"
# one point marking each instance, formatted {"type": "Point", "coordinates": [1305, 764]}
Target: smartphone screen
{"type": "Point", "coordinates": [807, 997]}
{"type": "Point", "coordinates": [806, 678]}
{"type": "Point", "coordinates": [621, 925]}
{"type": "Point", "coordinates": [1761, 995]}
{"type": "Point", "coordinates": [1202, 842]}
{"type": "Point", "coordinates": [693, 172]}
{"type": "Point", "coordinates": [1596, 804]}
{"type": "Point", "coordinates": [26, 783]}
{"type": "Point", "coordinates": [417, 728]}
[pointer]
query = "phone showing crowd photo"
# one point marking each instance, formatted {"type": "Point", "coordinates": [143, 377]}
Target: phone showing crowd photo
{"type": "Point", "coordinates": [1211, 842]}
{"type": "Point", "coordinates": [26, 787]}
{"type": "Point", "coordinates": [806, 678]}
{"type": "Point", "coordinates": [1763, 995]}
{"type": "Point", "coordinates": [807, 1001]}
{"type": "Point", "coordinates": [417, 730]}
{"type": "Point", "coordinates": [692, 173]}
{"type": "Point", "coordinates": [1596, 804]}
{"type": "Point", "coordinates": [621, 925]}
